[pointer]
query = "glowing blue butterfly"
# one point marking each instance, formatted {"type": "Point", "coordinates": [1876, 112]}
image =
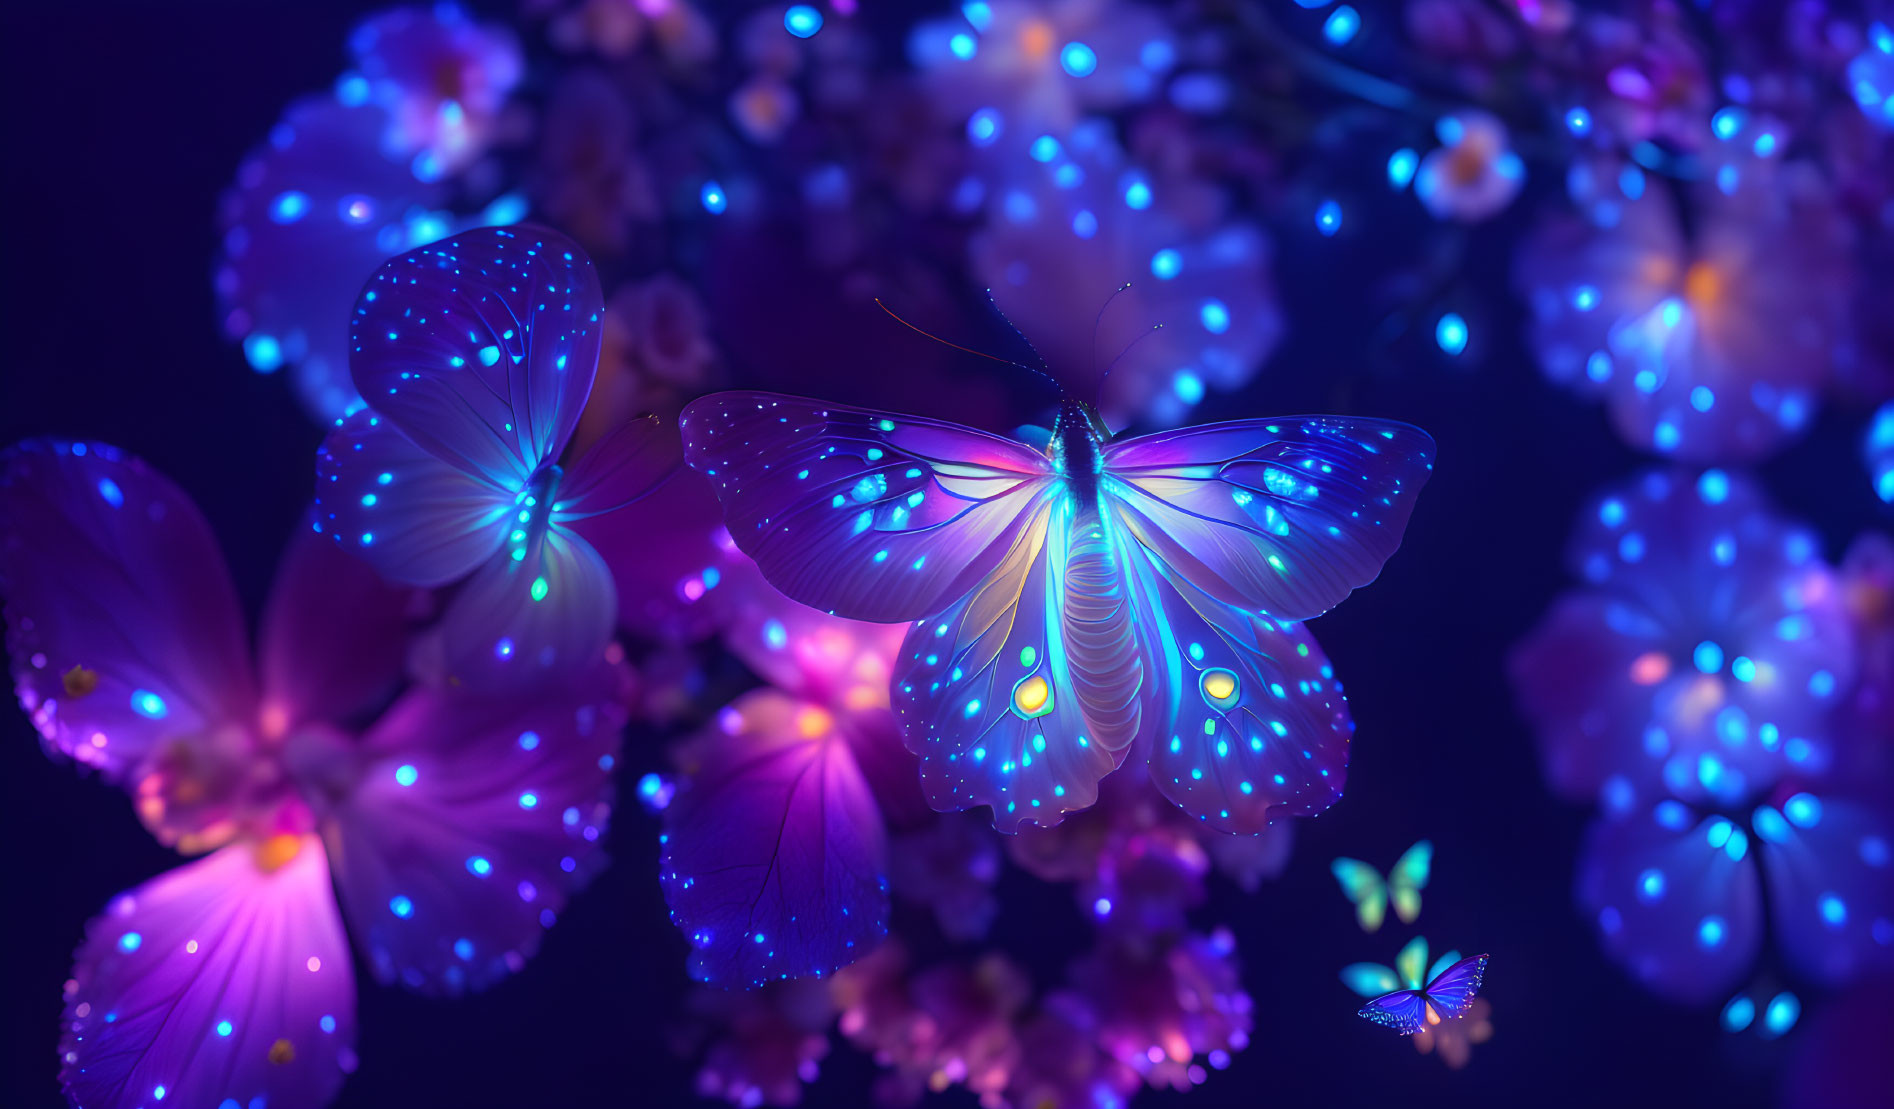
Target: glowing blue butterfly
{"type": "Point", "coordinates": [1371, 893]}
{"type": "Point", "coordinates": [1401, 1002]}
{"type": "Point", "coordinates": [1073, 603]}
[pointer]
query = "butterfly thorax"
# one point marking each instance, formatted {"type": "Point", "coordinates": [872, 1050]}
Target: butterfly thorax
{"type": "Point", "coordinates": [1077, 448]}
{"type": "Point", "coordinates": [533, 508]}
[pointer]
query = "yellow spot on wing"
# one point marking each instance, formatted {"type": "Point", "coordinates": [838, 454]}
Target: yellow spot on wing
{"type": "Point", "coordinates": [79, 681]}
{"type": "Point", "coordinates": [1031, 695]}
{"type": "Point", "coordinates": [1220, 684]}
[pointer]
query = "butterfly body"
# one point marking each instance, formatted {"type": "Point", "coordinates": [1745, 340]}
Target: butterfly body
{"type": "Point", "coordinates": [1078, 605]}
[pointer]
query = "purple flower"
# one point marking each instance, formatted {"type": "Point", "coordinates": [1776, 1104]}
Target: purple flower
{"type": "Point", "coordinates": [1033, 67]}
{"type": "Point", "coordinates": [1078, 226]}
{"type": "Point", "coordinates": [1704, 654]}
{"type": "Point", "coordinates": [1473, 174]}
{"type": "Point", "coordinates": [1158, 1011]}
{"type": "Point", "coordinates": [310, 216]}
{"type": "Point", "coordinates": [442, 78]}
{"type": "Point", "coordinates": [1679, 893]}
{"type": "Point", "coordinates": [1708, 348]}
{"type": "Point", "coordinates": [764, 1045]}
{"type": "Point", "coordinates": [447, 829]}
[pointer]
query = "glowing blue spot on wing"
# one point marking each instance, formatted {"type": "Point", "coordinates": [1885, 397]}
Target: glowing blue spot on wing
{"type": "Point", "coordinates": [478, 866]}
{"type": "Point", "coordinates": [288, 207]}
{"type": "Point", "coordinates": [984, 126]}
{"type": "Point", "coordinates": [1738, 1014]}
{"type": "Point", "coordinates": [489, 355]}
{"type": "Point", "coordinates": [406, 775]}
{"type": "Point", "coordinates": [1166, 264]}
{"type": "Point", "coordinates": [401, 906]}
{"type": "Point", "coordinates": [130, 941]}
{"type": "Point", "coordinates": [1782, 1013]}
{"type": "Point", "coordinates": [1401, 166]}
{"type": "Point", "coordinates": [149, 705]}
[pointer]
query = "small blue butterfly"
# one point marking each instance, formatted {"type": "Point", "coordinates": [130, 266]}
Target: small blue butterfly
{"type": "Point", "coordinates": [1451, 984]}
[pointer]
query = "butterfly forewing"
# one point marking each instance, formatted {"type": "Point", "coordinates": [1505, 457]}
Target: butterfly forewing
{"type": "Point", "coordinates": [1283, 517]}
{"type": "Point", "coordinates": [863, 514]}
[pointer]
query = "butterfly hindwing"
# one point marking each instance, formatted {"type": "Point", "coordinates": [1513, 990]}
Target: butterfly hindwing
{"type": "Point", "coordinates": [863, 514]}
{"type": "Point", "coordinates": [1363, 885]}
{"type": "Point", "coordinates": [1006, 704]}
{"type": "Point", "coordinates": [1403, 1010]}
{"type": "Point", "coordinates": [1408, 878]}
{"type": "Point", "coordinates": [1452, 990]}
{"type": "Point", "coordinates": [1282, 516]}
{"type": "Point", "coordinates": [1251, 724]}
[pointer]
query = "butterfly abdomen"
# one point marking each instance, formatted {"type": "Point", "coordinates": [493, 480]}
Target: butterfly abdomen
{"type": "Point", "coordinates": [1106, 667]}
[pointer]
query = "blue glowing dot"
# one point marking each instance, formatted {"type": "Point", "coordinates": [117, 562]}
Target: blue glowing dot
{"type": "Point", "coordinates": [1708, 657]}
{"type": "Point", "coordinates": [1137, 194]}
{"type": "Point", "coordinates": [529, 800]}
{"type": "Point", "coordinates": [712, 198]}
{"type": "Point", "coordinates": [1782, 1013]}
{"type": "Point", "coordinates": [463, 947]}
{"type": "Point", "coordinates": [263, 352]}
{"type": "Point", "coordinates": [759, 937]}
{"type": "Point", "coordinates": [1578, 121]}
{"type": "Point", "coordinates": [802, 21]}
{"type": "Point", "coordinates": [1743, 668]}
{"type": "Point", "coordinates": [406, 775]}
{"type": "Point", "coordinates": [1702, 398]}
{"type": "Point", "coordinates": [1710, 931]}
{"type": "Point", "coordinates": [1714, 487]}
{"type": "Point", "coordinates": [1166, 264]}
{"type": "Point", "coordinates": [1451, 333]}
{"type": "Point", "coordinates": [1215, 316]}
{"type": "Point", "coordinates": [1044, 148]}
{"type": "Point", "coordinates": [401, 906]}
{"type": "Point", "coordinates": [288, 207]}
{"type": "Point", "coordinates": [478, 866]}
{"type": "Point", "coordinates": [1401, 166]}
{"type": "Point", "coordinates": [529, 740]}
{"type": "Point", "coordinates": [1078, 59]}
{"type": "Point", "coordinates": [1651, 885]}
{"type": "Point", "coordinates": [225, 1028]}
{"type": "Point", "coordinates": [1726, 122]}
{"type": "Point", "coordinates": [149, 705]}
{"type": "Point", "coordinates": [489, 355]}
{"type": "Point", "coordinates": [1188, 387]}
{"type": "Point", "coordinates": [111, 493]}
{"type": "Point", "coordinates": [983, 127]}
{"type": "Point", "coordinates": [504, 648]}
{"type": "Point", "coordinates": [1738, 1013]}
{"type": "Point", "coordinates": [159, 1092]}
{"type": "Point", "coordinates": [963, 46]}
{"type": "Point", "coordinates": [1341, 25]}
{"type": "Point", "coordinates": [327, 1022]}
{"type": "Point", "coordinates": [1328, 217]}
{"type": "Point", "coordinates": [130, 941]}
{"type": "Point", "coordinates": [1822, 683]}
{"type": "Point", "coordinates": [1834, 910]}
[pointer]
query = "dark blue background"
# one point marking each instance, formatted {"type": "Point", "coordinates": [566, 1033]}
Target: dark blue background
{"type": "Point", "coordinates": [123, 122]}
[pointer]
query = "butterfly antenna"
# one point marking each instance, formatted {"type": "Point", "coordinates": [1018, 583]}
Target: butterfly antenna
{"type": "Point", "coordinates": [1099, 320]}
{"type": "Point", "coordinates": [1098, 393]}
{"type": "Point", "coordinates": [944, 342]}
{"type": "Point", "coordinates": [1041, 369]}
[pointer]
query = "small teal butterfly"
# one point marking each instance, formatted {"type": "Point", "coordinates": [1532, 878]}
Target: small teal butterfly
{"type": "Point", "coordinates": [1371, 893]}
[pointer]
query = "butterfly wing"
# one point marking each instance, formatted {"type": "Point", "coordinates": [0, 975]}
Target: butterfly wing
{"type": "Point", "coordinates": [1452, 991]}
{"type": "Point", "coordinates": [407, 513]}
{"type": "Point", "coordinates": [1251, 724]}
{"type": "Point", "coordinates": [1363, 885]}
{"type": "Point", "coordinates": [1405, 1011]}
{"type": "Point", "coordinates": [1370, 979]}
{"type": "Point", "coordinates": [481, 348]}
{"type": "Point", "coordinates": [1028, 690]}
{"type": "Point", "coordinates": [863, 514]}
{"type": "Point", "coordinates": [226, 981]}
{"type": "Point", "coordinates": [122, 623]}
{"type": "Point", "coordinates": [1408, 878]}
{"type": "Point", "coordinates": [1283, 517]}
{"type": "Point", "coordinates": [775, 856]}
{"type": "Point", "coordinates": [1412, 962]}
{"type": "Point", "coordinates": [472, 822]}
{"type": "Point", "coordinates": [1446, 959]}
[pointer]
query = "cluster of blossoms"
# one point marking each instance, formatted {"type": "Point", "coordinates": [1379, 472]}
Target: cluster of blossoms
{"type": "Point", "coordinates": [1720, 691]}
